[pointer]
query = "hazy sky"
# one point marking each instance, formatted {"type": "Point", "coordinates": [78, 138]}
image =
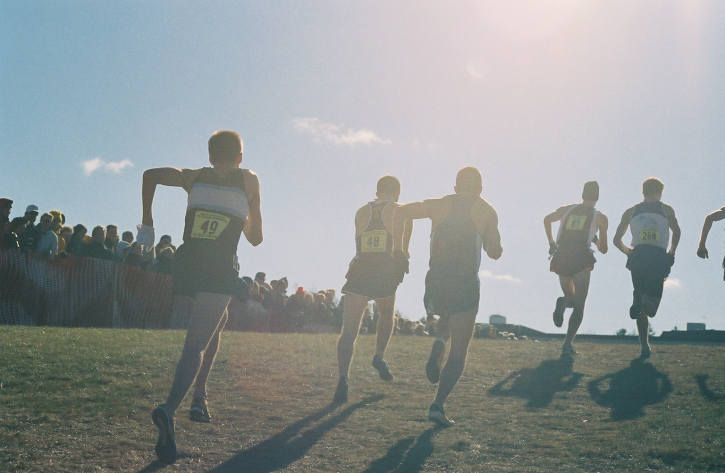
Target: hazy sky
{"type": "Point", "coordinates": [330, 96]}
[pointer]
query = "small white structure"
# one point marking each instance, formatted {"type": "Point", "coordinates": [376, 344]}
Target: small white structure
{"type": "Point", "coordinates": [695, 326]}
{"type": "Point", "coordinates": [497, 319]}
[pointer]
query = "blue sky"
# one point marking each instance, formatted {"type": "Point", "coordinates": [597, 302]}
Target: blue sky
{"type": "Point", "coordinates": [329, 96]}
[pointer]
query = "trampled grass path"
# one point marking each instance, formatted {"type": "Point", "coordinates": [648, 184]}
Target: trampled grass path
{"type": "Point", "coordinates": [77, 400]}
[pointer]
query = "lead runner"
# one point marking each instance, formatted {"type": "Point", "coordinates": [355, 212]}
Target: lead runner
{"type": "Point", "coordinates": [223, 203]}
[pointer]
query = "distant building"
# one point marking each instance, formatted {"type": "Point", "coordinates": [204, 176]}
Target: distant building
{"type": "Point", "coordinates": [497, 319]}
{"type": "Point", "coordinates": [695, 326]}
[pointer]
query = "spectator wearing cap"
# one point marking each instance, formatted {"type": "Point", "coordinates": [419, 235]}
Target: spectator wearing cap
{"type": "Point", "coordinates": [31, 214]}
{"type": "Point", "coordinates": [47, 240]}
{"type": "Point", "coordinates": [6, 206]}
{"type": "Point", "coordinates": [75, 245]}
{"type": "Point", "coordinates": [96, 248]}
{"type": "Point", "coordinates": [11, 239]}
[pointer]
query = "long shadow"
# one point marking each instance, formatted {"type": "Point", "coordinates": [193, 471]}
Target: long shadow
{"type": "Point", "coordinates": [706, 392]}
{"type": "Point", "coordinates": [631, 389]}
{"type": "Point", "coordinates": [539, 385]}
{"type": "Point", "coordinates": [402, 457]}
{"type": "Point", "coordinates": [288, 446]}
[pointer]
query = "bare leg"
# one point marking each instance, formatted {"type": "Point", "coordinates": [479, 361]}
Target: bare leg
{"type": "Point", "coordinates": [643, 329]}
{"type": "Point", "coordinates": [385, 324]}
{"type": "Point", "coordinates": [208, 360]}
{"type": "Point", "coordinates": [580, 283]}
{"type": "Point", "coordinates": [568, 287]}
{"type": "Point", "coordinates": [206, 315]}
{"type": "Point", "coordinates": [351, 317]}
{"type": "Point", "coordinates": [461, 331]}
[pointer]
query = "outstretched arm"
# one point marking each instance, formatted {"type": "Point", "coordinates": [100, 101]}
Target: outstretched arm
{"type": "Point", "coordinates": [166, 177]}
{"type": "Point", "coordinates": [715, 216]}
{"type": "Point", "coordinates": [403, 225]}
{"type": "Point", "coordinates": [253, 226]}
{"type": "Point", "coordinates": [621, 230]}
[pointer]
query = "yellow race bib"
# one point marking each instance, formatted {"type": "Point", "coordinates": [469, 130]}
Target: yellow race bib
{"type": "Point", "coordinates": [374, 241]}
{"type": "Point", "coordinates": [649, 235]}
{"type": "Point", "coordinates": [208, 225]}
{"type": "Point", "coordinates": [575, 222]}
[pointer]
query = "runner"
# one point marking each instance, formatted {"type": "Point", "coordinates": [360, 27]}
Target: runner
{"type": "Point", "coordinates": [648, 259]}
{"type": "Point", "coordinates": [572, 258]}
{"type": "Point", "coordinates": [462, 224]}
{"type": "Point", "coordinates": [223, 202]}
{"type": "Point", "coordinates": [374, 274]}
{"type": "Point", "coordinates": [715, 216]}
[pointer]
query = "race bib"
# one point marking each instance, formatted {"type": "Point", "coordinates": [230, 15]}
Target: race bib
{"type": "Point", "coordinates": [374, 241]}
{"type": "Point", "coordinates": [575, 222]}
{"type": "Point", "coordinates": [649, 235]}
{"type": "Point", "coordinates": [208, 225]}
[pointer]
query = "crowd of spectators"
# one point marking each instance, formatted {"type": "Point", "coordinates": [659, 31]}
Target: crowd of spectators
{"type": "Point", "coordinates": [51, 238]}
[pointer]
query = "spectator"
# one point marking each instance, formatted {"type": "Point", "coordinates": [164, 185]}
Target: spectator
{"type": "Point", "coordinates": [321, 314]}
{"type": "Point", "coordinates": [166, 240]}
{"type": "Point", "coordinates": [124, 246]}
{"type": "Point", "coordinates": [17, 228]}
{"type": "Point", "coordinates": [6, 206]}
{"type": "Point", "coordinates": [164, 260]}
{"type": "Point", "coordinates": [96, 248]}
{"type": "Point", "coordinates": [135, 256]}
{"type": "Point", "coordinates": [128, 237]}
{"type": "Point", "coordinates": [75, 244]}
{"type": "Point", "coordinates": [47, 240]}
{"type": "Point", "coordinates": [65, 235]}
{"type": "Point", "coordinates": [31, 213]}
{"type": "Point", "coordinates": [55, 225]}
{"type": "Point", "coordinates": [112, 238]}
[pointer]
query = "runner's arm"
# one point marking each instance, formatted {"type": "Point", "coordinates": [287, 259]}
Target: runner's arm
{"type": "Point", "coordinates": [621, 230]}
{"type": "Point", "coordinates": [253, 226]}
{"type": "Point", "coordinates": [407, 233]}
{"type": "Point", "coordinates": [715, 216]}
{"type": "Point", "coordinates": [675, 227]}
{"type": "Point", "coordinates": [166, 177]}
{"type": "Point", "coordinates": [603, 225]}
{"type": "Point", "coordinates": [405, 213]}
{"type": "Point", "coordinates": [554, 216]}
{"type": "Point", "coordinates": [490, 234]}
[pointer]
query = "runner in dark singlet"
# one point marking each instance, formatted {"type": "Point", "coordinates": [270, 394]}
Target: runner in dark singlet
{"type": "Point", "coordinates": [572, 257]}
{"type": "Point", "coordinates": [462, 224]}
{"type": "Point", "coordinates": [374, 274]}
{"type": "Point", "coordinates": [650, 222]}
{"type": "Point", "coordinates": [223, 203]}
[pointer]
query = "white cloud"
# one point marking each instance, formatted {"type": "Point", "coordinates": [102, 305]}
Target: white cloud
{"type": "Point", "coordinates": [335, 134]}
{"type": "Point", "coordinates": [501, 277]}
{"type": "Point", "coordinates": [673, 284]}
{"type": "Point", "coordinates": [93, 165]}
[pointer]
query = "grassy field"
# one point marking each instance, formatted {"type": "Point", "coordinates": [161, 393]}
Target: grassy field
{"type": "Point", "coordinates": [75, 400]}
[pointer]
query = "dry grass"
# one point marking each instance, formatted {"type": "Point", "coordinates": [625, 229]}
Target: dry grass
{"type": "Point", "coordinates": [77, 400]}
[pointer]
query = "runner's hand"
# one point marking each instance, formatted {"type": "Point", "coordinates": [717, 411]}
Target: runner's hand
{"type": "Point", "coordinates": [401, 265]}
{"type": "Point", "coordinates": [552, 249]}
{"type": "Point", "coordinates": [702, 252]}
{"type": "Point", "coordinates": [670, 259]}
{"type": "Point", "coordinates": [145, 235]}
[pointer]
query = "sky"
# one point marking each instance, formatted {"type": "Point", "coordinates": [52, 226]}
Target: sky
{"type": "Point", "coordinates": [541, 96]}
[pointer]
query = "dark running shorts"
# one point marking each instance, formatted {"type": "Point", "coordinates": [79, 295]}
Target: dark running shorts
{"type": "Point", "coordinates": [450, 293]}
{"type": "Point", "coordinates": [194, 273]}
{"type": "Point", "coordinates": [371, 279]}
{"type": "Point", "coordinates": [570, 260]}
{"type": "Point", "coordinates": [650, 265]}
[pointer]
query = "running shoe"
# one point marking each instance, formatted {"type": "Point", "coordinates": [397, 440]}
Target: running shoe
{"type": "Point", "coordinates": [438, 415]}
{"type": "Point", "coordinates": [199, 411]}
{"type": "Point", "coordinates": [559, 311]}
{"type": "Point", "coordinates": [646, 352]}
{"type": "Point", "coordinates": [434, 365]}
{"type": "Point", "coordinates": [636, 308]}
{"type": "Point", "coordinates": [341, 392]}
{"type": "Point", "coordinates": [568, 350]}
{"type": "Point", "coordinates": [382, 367]}
{"type": "Point", "coordinates": [166, 445]}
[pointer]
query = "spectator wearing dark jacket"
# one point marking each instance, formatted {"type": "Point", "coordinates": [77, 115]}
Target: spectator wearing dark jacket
{"type": "Point", "coordinates": [75, 244]}
{"type": "Point", "coordinates": [96, 248]}
{"type": "Point", "coordinates": [11, 239]}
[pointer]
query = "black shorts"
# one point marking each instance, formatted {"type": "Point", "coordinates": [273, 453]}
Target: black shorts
{"type": "Point", "coordinates": [570, 260]}
{"type": "Point", "coordinates": [373, 279]}
{"type": "Point", "coordinates": [451, 293]}
{"type": "Point", "coordinates": [650, 265]}
{"type": "Point", "coordinates": [194, 272]}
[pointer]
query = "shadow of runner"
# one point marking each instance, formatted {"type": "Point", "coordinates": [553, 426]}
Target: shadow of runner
{"type": "Point", "coordinates": [705, 391]}
{"type": "Point", "coordinates": [401, 457]}
{"type": "Point", "coordinates": [288, 446]}
{"type": "Point", "coordinates": [539, 385]}
{"type": "Point", "coordinates": [631, 389]}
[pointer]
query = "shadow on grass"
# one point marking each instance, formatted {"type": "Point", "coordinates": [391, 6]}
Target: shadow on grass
{"type": "Point", "coordinates": [539, 385]}
{"type": "Point", "coordinates": [706, 392]}
{"type": "Point", "coordinates": [402, 457]}
{"type": "Point", "coordinates": [288, 446]}
{"type": "Point", "coordinates": [631, 389]}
